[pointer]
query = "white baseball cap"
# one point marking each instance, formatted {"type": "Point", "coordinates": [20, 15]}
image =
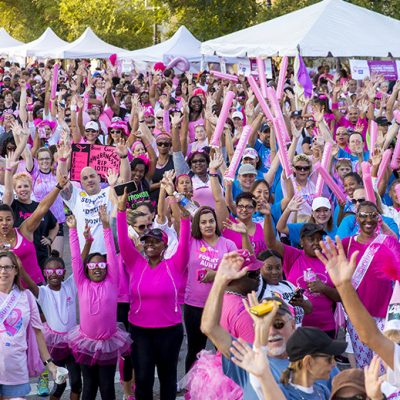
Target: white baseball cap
{"type": "Point", "coordinates": [319, 202]}
{"type": "Point", "coordinates": [237, 114]}
{"type": "Point", "coordinates": [92, 125]}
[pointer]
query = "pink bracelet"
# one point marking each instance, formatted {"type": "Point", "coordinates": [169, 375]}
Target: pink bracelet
{"type": "Point", "coordinates": [148, 145]}
{"type": "Point", "coordinates": [62, 159]}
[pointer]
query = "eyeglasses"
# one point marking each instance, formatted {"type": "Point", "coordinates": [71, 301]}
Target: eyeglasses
{"type": "Point", "coordinates": [278, 325]}
{"type": "Point", "coordinates": [90, 130]}
{"type": "Point", "coordinates": [143, 227]}
{"type": "Point", "coordinates": [93, 265]}
{"type": "Point", "coordinates": [164, 144]}
{"type": "Point", "coordinates": [302, 168]}
{"type": "Point", "coordinates": [364, 215]}
{"type": "Point", "coordinates": [7, 268]}
{"type": "Point", "coordinates": [116, 131]}
{"type": "Point", "coordinates": [199, 161]}
{"type": "Point", "coordinates": [44, 159]}
{"type": "Point", "coordinates": [243, 207]}
{"type": "Point", "coordinates": [58, 271]}
{"type": "Point", "coordinates": [355, 201]}
{"type": "Point", "coordinates": [329, 357]}
{"type": "Point", "coordinates": [160, 118]}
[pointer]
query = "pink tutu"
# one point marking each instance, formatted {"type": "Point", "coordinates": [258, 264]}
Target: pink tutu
{"type": "Point", "coordinates": [57, 343]}
{"type": "Point", "coordinates": [207, 381]}
{"type": "Point", "coordinates": [90, 351]}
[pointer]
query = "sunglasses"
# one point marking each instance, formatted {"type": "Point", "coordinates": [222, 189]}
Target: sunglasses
{"type": "Point", "coordinates": [142, 227]}
{"type": "Point", "coordinates": [164, 144]}
{"type": "Point", "coordinates": [355, 201]}
{"type": "Point", "coordinates": [278, 325]}
{"type": "Point", "coordinates": [329, 357]}
{"type": "Point", "coordinates": [116, 131]}
{"type": "Point", "coordinates": [364, 215]}
{"type": "Point", "coordinates": [90, 130]}
{"type": "Point", "coordinates": [93, 265]}
{"type": "Point", "coordinates": [58, 271]}
{"type": "Point", "coordinates": [302, 168]}
{"type": "Point", "coordinates": [356, 397]}
{"type": "Point", "coordinates": [199, 161]}
{"type": "Point", "coordinates": [243, 207]}
{"type": "Point", "coordinates": [160, 118]}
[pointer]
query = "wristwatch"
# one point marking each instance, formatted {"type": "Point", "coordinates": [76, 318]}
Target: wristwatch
{"type": "Point", "coordinates": [47, 362]}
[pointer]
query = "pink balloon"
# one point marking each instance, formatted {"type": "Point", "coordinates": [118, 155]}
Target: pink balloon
{"type": "Point", "coordinates": [223, 115]}
{"type": "Point", "coordinates": [257, 92]}
{"type": "Point", "coordinates": [326, 156]}
{"type": "Point", "coordinates": [397, 190]}
{"type": "Point", "coordinates": [373, 136]}
{"type": "Point", "coordinates": [228, 77]}
{"type": "Point", "coordinates": [284, 158]}
{"type": "Point", "coordinates": [396, 154]}
{"type": "Point", "coordinates": [387, 154]}
{"type": "Point", "coordinates": [54, 81]}
{"type": "Point", "coordinates": [330, 182]}
{"type": "Point", "coordinates": [261, 76]}
{"type": "Point", "coordinates": [271, 95]}
{"type": "Point", "coordinates": [366, 176]}
{"type": "Point", "coordinates": [396, 115]}
{"type": "Point", "coordinates": [180, 63]}
{"type": "Point", "coordinates": [282, 77]}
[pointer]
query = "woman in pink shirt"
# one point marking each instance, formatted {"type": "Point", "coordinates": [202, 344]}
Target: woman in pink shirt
{"type": "Point", "coordinates": [303, 269]}
{"type": "Point", "coordinates": [155, 314]}
{"type": "Point", "coordinates": [97, 342]}
{"type": "Point", "coordinates": [377, 254]}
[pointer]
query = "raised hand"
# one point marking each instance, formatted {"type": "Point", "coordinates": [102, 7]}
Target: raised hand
{"type": "Point", "coordinates": [230, 267]}
{"type": "Point", "coordinates": [295, 203]}
{"type": "Point", "coordinates": [103, 215]}
{"type": "Point", "coordinates": [238, 227]}
{"type": "Point", "coordinates": [121, 149]}
{"type": "Point", "coordinates": [112, 177]}
{"type": "Point", "coordinates": [215, 162]}
{"type": "Point", "coordinates": [373, 381]}
{"type": "Point", "coordinates": [339, 267]}
{"type": "Point", "coordinates": [87, 234]}
{"type": "Point", "coordinates": [122, 200]}
{"type": "Point", "coordinates": [71, 221]}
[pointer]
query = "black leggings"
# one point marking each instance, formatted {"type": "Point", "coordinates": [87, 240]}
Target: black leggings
{"type": "Point", "coordinates": [156, 347]}
{"type": "Point", "coordinates": [125, 363]}
{"type": "Point", "coordinates": [196, 339]}
{"type": "Point", "coordinates": [98, 377]}
{"type": "Point", "coordinates": [74, 374]}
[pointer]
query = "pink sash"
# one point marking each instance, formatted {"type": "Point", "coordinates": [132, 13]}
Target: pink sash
{"type": "Point", "coordinates": [8, 304]}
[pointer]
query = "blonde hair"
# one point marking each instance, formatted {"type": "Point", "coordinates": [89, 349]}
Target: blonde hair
{"type": "Point", "coordinates": [17, 264]}
{"type": "Point", "coordinates": [133, 215]}
{"type": "Point", "coordinates": [339, 163]}
{"type": "Point", "coordinates": [21, 177]}
{"type": "Point", "coordinates": [301, 157]}
{"type": "Point", "coordinates": [294, 366]}
{"type": "Point", "coordinates": [393, 335]}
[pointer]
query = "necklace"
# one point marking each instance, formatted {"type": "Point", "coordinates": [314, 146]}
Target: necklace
{"type": "Point", "coordinates": [62, 295]}
{"type": "Point", "coordinates": [235, 294]}
{"type": "Point", "coordinates": [6, 242]}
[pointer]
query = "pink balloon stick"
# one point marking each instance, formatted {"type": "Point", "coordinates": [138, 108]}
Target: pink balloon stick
{"type": "Point", "coordinates": [261, 76]}
{"type": "Point", "coordinates": [271, 95]}
{"type": "Point", "coordinates": [223, 115]}
{"type": "Point", "coordinates": [366, 176]}
{"type": "Point", "coordinates": [387, 154]}
{"type": "Point", "coordinates": [396, 154]}
{"type": "Point", "coordinates": [373, 136]}
{"type": "Point", "coordinates": [257, 92]}
{"type": "Point", "coordinates": [397, 190]}
{"type": "Point", "coordinates": [237, 155]}
{"type": "Point", "coordinates": [282, 77]}
{"type": "Point", "coordinates": [326, 156]}
{"type": "Point", "coordinates": [54, 81]}
{"type": "Point", "coordinates": [330, 182]}
{"type": "Point", "coordinates": [228, 77]}
{"type": "Point", "coordinates": [284, 157]}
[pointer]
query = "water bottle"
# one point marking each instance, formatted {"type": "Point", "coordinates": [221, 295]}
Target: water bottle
{"type": "Point", "coordinates": [188, 205]}
{"type": "Point", "coordinates": [309, 275]}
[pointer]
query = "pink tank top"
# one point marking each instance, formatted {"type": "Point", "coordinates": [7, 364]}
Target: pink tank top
{"type": "Point", "coordinates": [25, 250]}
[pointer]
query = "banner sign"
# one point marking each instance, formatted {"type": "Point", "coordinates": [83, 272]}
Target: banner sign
{"type": "Point", "coordinates": [100, 158]}
{"type": "Point", "coordinates": [361, 69]}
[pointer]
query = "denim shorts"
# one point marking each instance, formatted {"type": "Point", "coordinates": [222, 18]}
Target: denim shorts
{"type": "Point", "coordinates": [15, 390]}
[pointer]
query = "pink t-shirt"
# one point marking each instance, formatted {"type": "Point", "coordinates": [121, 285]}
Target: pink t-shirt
{"type": "Point", "coordinates": [375, 289]}
{"type": "Point", "coordinates": [13, 340]}
{"type": "Point", "coordinates": [257, 239]}
{"type": "Point", "coordinates": [202, 192]}
{"type": "Point", "coordinates": [235, 319]}
{"type": "Point", "coordinates": [202, 255]}
{"type": "Point", "coordinates": [295, 262]}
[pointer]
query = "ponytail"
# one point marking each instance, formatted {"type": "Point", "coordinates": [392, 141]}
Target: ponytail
{"type": "Point", "coordinates": [288, 372]}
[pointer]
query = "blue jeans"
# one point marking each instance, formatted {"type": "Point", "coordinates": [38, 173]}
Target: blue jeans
{"type": "Point", "coordinates": [15, 390]}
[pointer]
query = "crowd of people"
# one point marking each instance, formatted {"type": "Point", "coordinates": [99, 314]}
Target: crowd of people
{"type": "Point", "coordinates": [209, 212]}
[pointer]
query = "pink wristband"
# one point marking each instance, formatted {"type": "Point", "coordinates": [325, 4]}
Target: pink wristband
{"type": "Point", "coordinates": [62, 159]}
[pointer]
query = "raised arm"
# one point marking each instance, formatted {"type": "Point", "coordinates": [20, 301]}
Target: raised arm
{"type": "Point", "coordinates": [76, 259]}
{"type": "Point", "coordinates": [269, 234]}
{"type": "Point", "coordinates": [294, 206]}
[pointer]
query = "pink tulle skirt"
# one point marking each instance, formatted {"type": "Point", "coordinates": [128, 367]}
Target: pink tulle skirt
{"type": "Point", "coordinates": [90, 351]}
{"type": "Point", "coordinates": [207, 381]}
{"type": "Point", "coordinates": [57, 343]}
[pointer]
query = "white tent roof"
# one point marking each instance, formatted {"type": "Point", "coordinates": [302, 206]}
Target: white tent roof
{"type": "Point", "coordinates": [40, 47]}
{"type": "Point", "coordinates": [6, 40]}
{"type": "Point", "coordinates": [88, 45]}
{"type": "Point", "coordinates": [182, 43]}
{"type": "Point", "coordinates": [331, 26]}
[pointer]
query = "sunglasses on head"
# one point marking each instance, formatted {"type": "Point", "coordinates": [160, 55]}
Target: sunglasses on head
{"type": "Point", "coordinates": [93, 265]}
{"type": "Point", "coordinates": [164, 144]}
{"type": "Point", "coordinates": [58, 271]}
{"type": "Point", "coordinates": [355, 201]}
{"type": "Point", "coordinates": [302, 168]}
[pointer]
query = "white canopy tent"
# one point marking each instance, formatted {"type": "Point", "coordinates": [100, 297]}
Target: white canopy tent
{"type": "Point", "coordinates": [182, 44]}
{"type": "Point", "coordinates": [40, 47]}
{"type": "Point", "coordinates": [331, 27]}
{"type": "Point", "coordinates": [88, 45]}
{"type": "Point", "coordinates": [6, 40]}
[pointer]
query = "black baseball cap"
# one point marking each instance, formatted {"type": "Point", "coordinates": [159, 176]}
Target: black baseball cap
{"type": "Point", "coordinates": [308, 340]}
{"type": "Point", "coordinates": [309, 229]}
{"type": "Point", "coordinates": [155, 233]}
{"type": "Point", "coordinates": [264, 127]}
{"type": "Point", "coordinates": [296, 113]}
{"type": "Point", "coordinates": [383, 121]}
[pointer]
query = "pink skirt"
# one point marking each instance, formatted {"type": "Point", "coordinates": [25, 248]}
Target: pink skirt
{"type": "Point", "coordinates": [57, 343]}
{"type": "Point", "coordinates": [90, 351]}
{"type": "Point", "coordinates": [207, 381]}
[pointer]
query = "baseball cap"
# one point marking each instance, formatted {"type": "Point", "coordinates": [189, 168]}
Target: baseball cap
{"type": "Point", "coordinates": [237, 114]}
{"type": "Point", "coordinates": [383, 121]}
{"type": "Point", "coordinates": [349, 378]}
{"type": "Point", "coordinates": [250, 153]}
{"type": "Point", "coordinates": [250, 260]}
{"type": "Point", "coordinates": [308, 340]}
{"type": "Point", "coordinates": [6, 77]}
{"type": "Point", "coordinates": [296, 113]}
{"type": "Point", "coordinates": [92, 125]}
{"type": "Point", "coordinates": [247, 169]}
{"type": "Point", "coordinates": [264, 127]}
{"type": "Point", "coordinates": [310, 229]}
{"type": "Point", "coordinates": [283, 306]}
{"type": "Point", "coordinates": [319, 202]}
{"type": "Point", "coordinates": [155, 234]}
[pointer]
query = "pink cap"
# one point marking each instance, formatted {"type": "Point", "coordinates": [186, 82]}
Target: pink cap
{"type": "Point", "coordinates": [250, 260]}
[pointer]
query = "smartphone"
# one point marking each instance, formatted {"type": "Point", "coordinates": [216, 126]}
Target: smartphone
{"type": "Point", "coordinates": [201, 274]}
{"type": "Point", "coordinates": [263, 308]}
{"type": "Point", "coordinates": [131, 187]}
{"type": "Point", "coordinates": [298, 294]}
